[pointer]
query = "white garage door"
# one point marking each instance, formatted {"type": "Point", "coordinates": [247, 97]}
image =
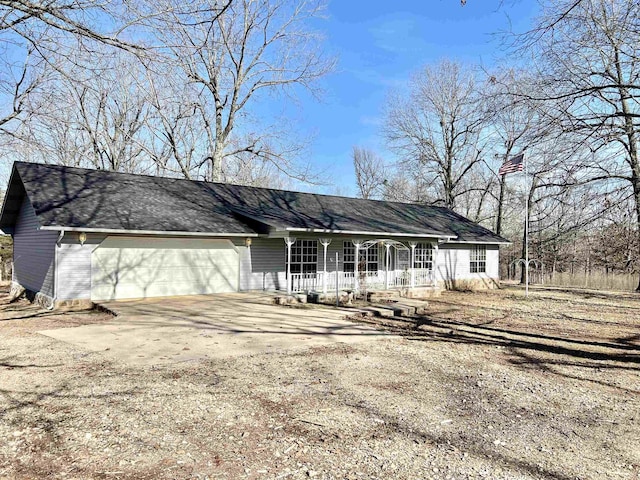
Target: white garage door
{"type": "Point", "coordinates": [139, 267]}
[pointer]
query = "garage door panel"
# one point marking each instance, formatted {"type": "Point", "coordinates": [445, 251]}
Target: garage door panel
{"type": "Point", "coordinates": [165, 274]}
{"type": "Point", "coordinates": [119, 259]}
{"type": "Point", "coordinates": [136, 268]}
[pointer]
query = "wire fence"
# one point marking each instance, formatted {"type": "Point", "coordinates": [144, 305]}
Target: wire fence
{"type": "Point", "coordinates": [5, 271]}
{"type": "Point", "coordinates": [596, 280]}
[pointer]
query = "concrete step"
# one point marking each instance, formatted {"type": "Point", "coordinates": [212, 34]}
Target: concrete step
{"type": "Point", "coordinates": [379, 311]}
{"type": "Point", "coordinates": [396, 309]}
{"type": "Point", "coordinates": [419, 306]}
{"type": "Point", "coordinates": [383, 295]}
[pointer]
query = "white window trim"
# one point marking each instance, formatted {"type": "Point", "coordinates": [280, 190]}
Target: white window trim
{"type": "Point", "coordinates": [300, 244]}
{"type": "Point", "coordinates": [478, 259]}
{"type": "Point", "coordinates": [423, 256]}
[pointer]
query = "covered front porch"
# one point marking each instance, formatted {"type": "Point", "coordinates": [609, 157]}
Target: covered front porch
{"type": "Point", "coordinates": [325, 265]}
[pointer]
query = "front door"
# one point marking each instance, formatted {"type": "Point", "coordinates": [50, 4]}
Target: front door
{"type": "Point", "coordinates": [402, 260]}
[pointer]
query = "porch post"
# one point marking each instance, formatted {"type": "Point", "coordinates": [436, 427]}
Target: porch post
{"type": "Point", "coordinates": [413, 263]}
{"type": "Point", "coordinates": [325, 243]}
{"type": "Point", "coordinates": [434, 264]}
{"type": "Point", "coordinates": [356, 279]}
{"type": "Point", "coordinates": [289, 241]}
{"type": "Point", "coordinates": [388, 257]}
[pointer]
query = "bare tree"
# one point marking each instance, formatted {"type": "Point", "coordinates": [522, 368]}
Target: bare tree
{"type": "Point", "coordinates": [89, 119]}
{"type": "Point", "coordinates": [235, 54]}
{"type": "Point", "coordinates": [439, 126]}
{"type": "Point", "coordinates": [516, 126]}
{"type": "Point", "coordinates": [588, 56]}
{"type": "Point", "coordinates": [371, 172]}
{"type": "Point", "coordinates": [175, 125]}
{"type": "Point", "coordinates": [30, 18]}
{"type": "Point", "coordinates": [40, 43]}
{"type": "Point", "coordinates": [31, 32]}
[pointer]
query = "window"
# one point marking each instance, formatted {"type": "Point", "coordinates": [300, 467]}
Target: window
{"type": "Point", "coordinates": [423, 256]}
{"type": "Point", "coordinates": [478, 259]}
{"type": "Point", "coordinates": [372, 258]}
{"type": "Point", "coordinates": [348, 256]}
{"type": "Point", "coordinates": [368, 258]}
{"type": "Point", "coordinates": [304, 256]}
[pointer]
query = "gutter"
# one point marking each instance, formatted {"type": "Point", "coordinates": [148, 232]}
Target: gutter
{"type": "Point", "coordinates": [387, 234]}
{"type": "Point", "coordinates": [147, 232]}
{"type": "Point", "coordinates": [481, 243]}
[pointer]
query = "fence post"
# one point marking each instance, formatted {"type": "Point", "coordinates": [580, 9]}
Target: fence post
{"type": "Point", "coordinates": [337, 283]}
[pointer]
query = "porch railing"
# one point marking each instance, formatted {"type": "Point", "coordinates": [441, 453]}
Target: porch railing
{"type": "Point", "coordinates": [424, 277]}
{"type": "Point", "coordinates": [306, 282]}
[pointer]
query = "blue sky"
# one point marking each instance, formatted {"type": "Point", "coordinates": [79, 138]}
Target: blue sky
{"type": "Point", "coordinates": [379, 44]}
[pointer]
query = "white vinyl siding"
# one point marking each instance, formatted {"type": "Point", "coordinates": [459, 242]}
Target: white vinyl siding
{"type": "Point", "coordinates": [73, 272]}
{"type": "Point", "coordinates": [454, 262]}
{"type": "Point", "coordinates": [140, 267]}
{"type": "Point", "coordinates": [33, 252]}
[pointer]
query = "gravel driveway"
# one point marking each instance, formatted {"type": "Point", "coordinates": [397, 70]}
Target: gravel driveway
{"type": "Point", "coordinates": [167, 330]}
{"type": "Point", "coordinates": [488, 385]}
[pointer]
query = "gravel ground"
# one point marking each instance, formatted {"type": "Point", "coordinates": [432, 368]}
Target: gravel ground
{"type": "Point", "coordinates": [489, 385]}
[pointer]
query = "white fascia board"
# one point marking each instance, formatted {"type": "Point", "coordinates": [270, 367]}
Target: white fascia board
{"type": "Point", "coordinates": [385, 234]}
{"type": "Point", "coordinates": [479, 243]}
{"type": "Point", "coordinates": [147, 232]}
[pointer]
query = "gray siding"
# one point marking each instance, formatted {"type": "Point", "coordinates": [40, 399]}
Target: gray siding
{"type": "Point", "coordinates": [74, 266]}
{"type": "Point", "coordinates": [33, 252]}
{"type": "Point", "coordinates": [262, 265]}
{"type": "Point", "coordinates": [334, 247]}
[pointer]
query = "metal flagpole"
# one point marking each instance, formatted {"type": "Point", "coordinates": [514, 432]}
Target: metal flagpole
{"type": "Point", "coordinates": [337, 283]}
{"type": "Point", "coordinates": [526, 229]}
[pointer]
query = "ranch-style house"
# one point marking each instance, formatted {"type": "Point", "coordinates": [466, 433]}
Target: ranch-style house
{"type": "Point", "coordinates": [92, 235]}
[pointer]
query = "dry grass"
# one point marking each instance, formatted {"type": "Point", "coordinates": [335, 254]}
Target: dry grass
{"type": "Point", "coordinates": [598, 281]}
{"type": "Point", "coordinates": [488, 385]}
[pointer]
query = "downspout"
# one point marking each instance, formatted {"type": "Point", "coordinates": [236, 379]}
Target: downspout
{"type": "Point", "coordinates": [55, 271]}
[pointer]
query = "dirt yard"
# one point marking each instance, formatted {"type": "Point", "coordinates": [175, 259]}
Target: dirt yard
{"type": "Point", "coordinates": [489, 385]}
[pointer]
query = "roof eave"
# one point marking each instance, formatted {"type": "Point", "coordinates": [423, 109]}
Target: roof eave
{"type": "Point", "coordinates": [483, 242]}
{"type": "Point", "coordinates": [353, 232]}
{"type": "Point", "coordinates": [149, 232]}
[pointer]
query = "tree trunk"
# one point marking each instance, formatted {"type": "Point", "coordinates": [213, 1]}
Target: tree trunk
{"type": "Point", "coordinates": [216, 165]}
{"type": "Point", "coordinates": [631, 134]}
{"type": "Point", "coordinates": [636, 195]}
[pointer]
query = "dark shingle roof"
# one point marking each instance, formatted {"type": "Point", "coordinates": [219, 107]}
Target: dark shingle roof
{"type": "Point", "coordinates": [96, 199]}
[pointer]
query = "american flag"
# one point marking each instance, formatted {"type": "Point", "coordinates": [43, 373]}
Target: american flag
{"type": "Point", "coordinates": [514, 164]}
